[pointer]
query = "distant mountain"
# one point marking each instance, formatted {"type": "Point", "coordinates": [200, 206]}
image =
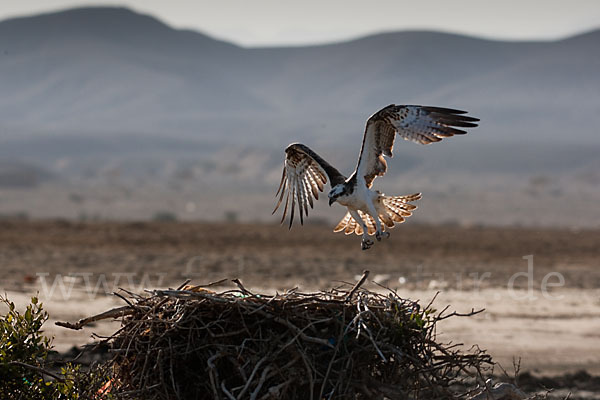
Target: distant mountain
{"type": "Point", "coordinates": [109, 70]}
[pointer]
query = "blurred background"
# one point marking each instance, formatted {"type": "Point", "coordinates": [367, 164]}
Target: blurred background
{"type": "Point", "coordinates": [141, 144]}
{"type": "Point", "coordinates": [120, 113]}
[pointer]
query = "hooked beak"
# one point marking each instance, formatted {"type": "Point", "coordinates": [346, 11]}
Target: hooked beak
{"type": "Point", "coordinates": [331, 201]}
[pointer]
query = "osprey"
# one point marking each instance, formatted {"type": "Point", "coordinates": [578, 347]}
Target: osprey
{"type": "Point", "coordinates": [369, 211]}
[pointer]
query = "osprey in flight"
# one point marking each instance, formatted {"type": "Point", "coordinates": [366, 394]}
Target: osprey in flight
{"type": "Point", "coordinates": [369, 211]}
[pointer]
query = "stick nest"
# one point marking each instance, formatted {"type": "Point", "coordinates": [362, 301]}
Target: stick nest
{"type": "Point", "coordinates": [346, 343]}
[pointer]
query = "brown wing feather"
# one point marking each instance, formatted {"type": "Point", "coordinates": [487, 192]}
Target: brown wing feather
{"type": "Point", "coordinates": [304, 175]}
{"type": "Point", "coordinates": [420, 124]}
{"type": "Point", "coordinates": [397, 209]}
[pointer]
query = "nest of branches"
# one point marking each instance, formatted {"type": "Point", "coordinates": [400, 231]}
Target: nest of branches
{"type": "Point", "coordinates": [346, 343]}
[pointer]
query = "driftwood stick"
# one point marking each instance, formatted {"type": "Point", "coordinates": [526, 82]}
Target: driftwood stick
{"type": "Point", "coordinates": [358, 285]}
{"type": "Point", "coordinates": [457, 314]}
{"type": "Point", "coordinates": [261, 382]}
{"type": "Point", "coordinates": [247, 385]}
{"type": "Point", "coordinates": [241, 287]}
{"type": "Point", "coordinates": [114, 313]}
{"type": "Point", "coordinates": [227, 392]}
{"type": "Point", "coordinates": [183, 284]}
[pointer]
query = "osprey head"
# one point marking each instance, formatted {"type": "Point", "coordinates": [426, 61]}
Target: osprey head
{"type": "Point", "coordinates": [336, 192]}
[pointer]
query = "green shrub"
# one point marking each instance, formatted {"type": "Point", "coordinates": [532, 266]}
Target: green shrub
{"type": "Point", "coordinates": [23, 360]}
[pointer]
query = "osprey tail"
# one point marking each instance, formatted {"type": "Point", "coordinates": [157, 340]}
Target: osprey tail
{"type": "Point", "coordinates": [391, 209]}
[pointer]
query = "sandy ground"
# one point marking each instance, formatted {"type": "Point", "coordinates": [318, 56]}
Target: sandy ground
{"type": "Point", "coordinates": [544, 309]}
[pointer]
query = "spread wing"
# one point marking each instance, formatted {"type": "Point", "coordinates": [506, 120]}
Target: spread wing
{"type": "Point", "coordinates": [304, 175]}
{"type": "Point", "coordinates": [420, 124]}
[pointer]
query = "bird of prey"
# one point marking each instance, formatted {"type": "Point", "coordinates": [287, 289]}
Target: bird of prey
{"type": "Point", "coordinates": [369, 211]}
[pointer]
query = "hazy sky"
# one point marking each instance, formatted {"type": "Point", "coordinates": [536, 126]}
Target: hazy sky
{"type": "Point", "coordinates": [273, 22]}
